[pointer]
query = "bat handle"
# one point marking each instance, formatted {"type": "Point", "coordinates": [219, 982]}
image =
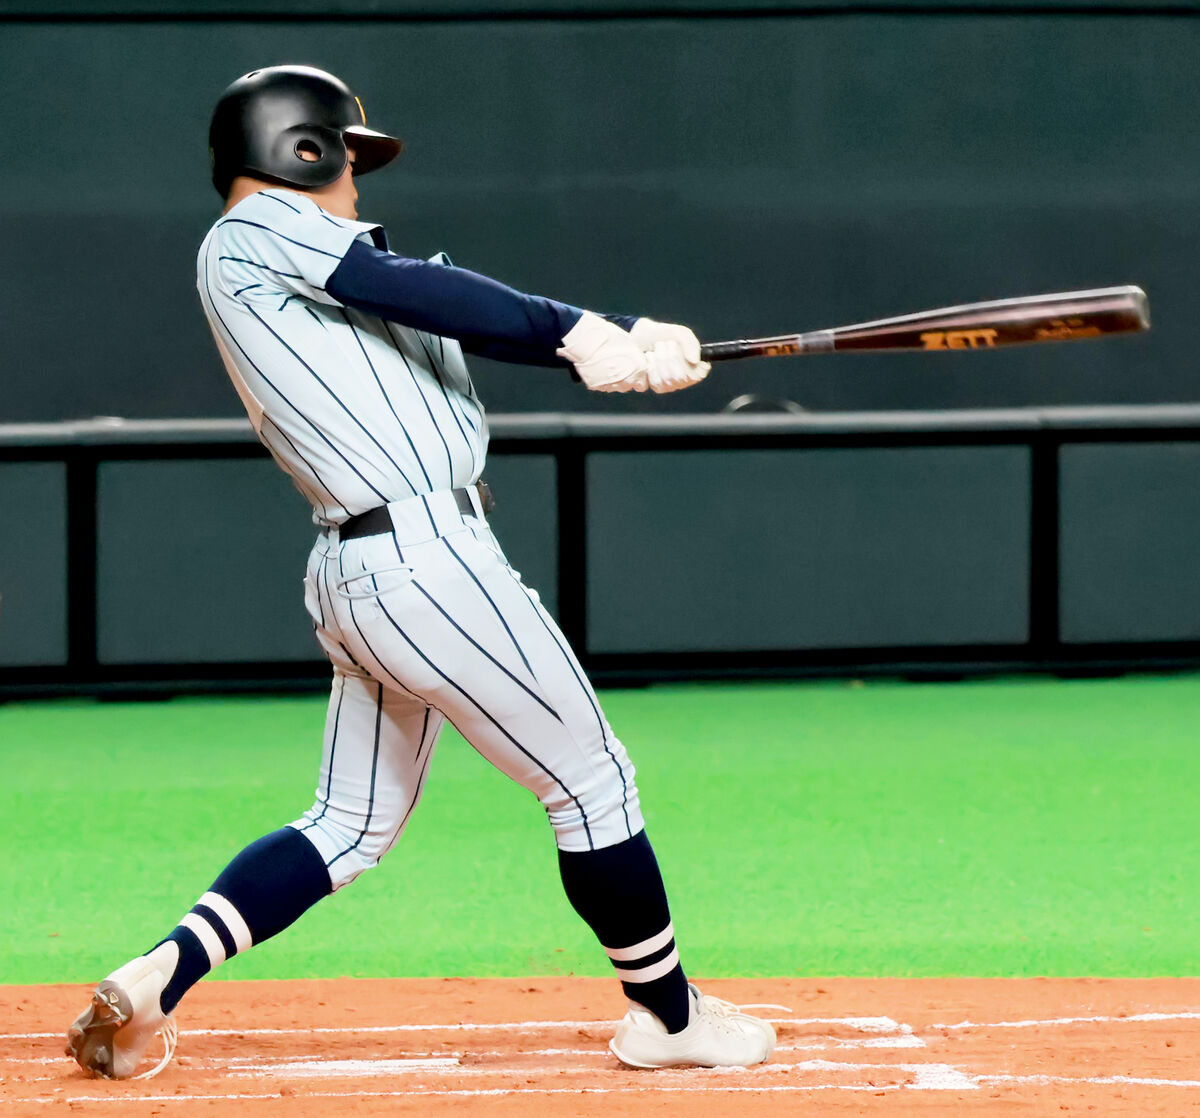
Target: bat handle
{"type": "Point", "coordinates": [723, 351]}
{"type": "Point", "coordinates": [785, 345]}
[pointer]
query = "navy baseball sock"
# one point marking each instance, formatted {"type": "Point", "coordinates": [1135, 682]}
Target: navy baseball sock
{"type": "Point", "coordinates": [268, 886]}
{"type": "Point", "coordinates": [619, 893]}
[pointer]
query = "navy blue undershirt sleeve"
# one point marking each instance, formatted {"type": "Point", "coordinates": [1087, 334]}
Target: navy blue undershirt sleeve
{"type": "Point", "coordinates": [526, 355]}
{"type": "Point", "coordinates": [487, 317]}
{"type": "Point", "coordinates": [512, 354]}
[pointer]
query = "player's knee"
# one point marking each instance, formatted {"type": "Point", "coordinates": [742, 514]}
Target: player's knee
{"type": "Point", "coordinates": [352, 841]}
{"type": "Point", "coordinates": [601, 813]}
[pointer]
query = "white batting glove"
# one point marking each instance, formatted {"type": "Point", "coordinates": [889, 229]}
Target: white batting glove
{"type": "Point", "coordinates": [670, 370]}
{"type": "Point", "coordinates": [646, 332]}
{"type": "Point", "coordinates": [673, 353]}
{"type": "Point", "coordinates": [606, 357]}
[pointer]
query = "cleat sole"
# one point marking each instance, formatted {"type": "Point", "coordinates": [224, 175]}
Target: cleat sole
{"type": "Point", "coordinates": [90, 1038]}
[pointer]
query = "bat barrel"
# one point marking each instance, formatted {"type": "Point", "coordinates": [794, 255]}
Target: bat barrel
{"type": "Point", "coordinates": [1059, 317]}
{"type": "Point", "coordinates": [1062, 316]}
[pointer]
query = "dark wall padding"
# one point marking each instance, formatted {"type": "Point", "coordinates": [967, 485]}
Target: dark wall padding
{"type": "Point", "coordinates": [33, 564]}
{"type": "Point", "coordinates": [1130, 542]}
{"type": "Point", "coordinates": [201, 562]}
{"type": "Point", "coordinates": [808, 549]}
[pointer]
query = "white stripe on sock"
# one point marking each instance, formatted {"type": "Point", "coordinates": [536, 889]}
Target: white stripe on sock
{"type": "Point", "coordinates": [209, 940]}
{"type": "Point", "coordinates": [641, 950]}
{"type": "Point", "coordinates": [238, 928]}
{"type": "Point", "coordinates": [650, 973]}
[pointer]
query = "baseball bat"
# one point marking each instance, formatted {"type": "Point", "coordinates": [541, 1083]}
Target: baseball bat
{"type": "Point", "coordinates": [1058, 317]}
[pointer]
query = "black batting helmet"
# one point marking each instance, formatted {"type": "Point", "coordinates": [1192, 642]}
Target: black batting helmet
{"type": "Point", "coordinates": [267, 121]}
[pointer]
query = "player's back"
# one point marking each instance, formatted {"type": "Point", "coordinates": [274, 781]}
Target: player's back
{"type": "Point", "coordinates": [359, 411]}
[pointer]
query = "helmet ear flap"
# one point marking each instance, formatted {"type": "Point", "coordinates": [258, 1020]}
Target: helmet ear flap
{"type": "Point", "coordinates": [313, 155]}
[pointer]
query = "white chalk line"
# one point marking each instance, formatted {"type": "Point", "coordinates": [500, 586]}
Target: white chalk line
{"type": "Point", "coordinates": [822, 1044]}
{"type": "Point", "coordinates": [865, 1024]}
{"type": "Point", "coordinates": [1033, 1024]}
{"type": "Point", "coordinates": [1104, 1080]}
{"type": "Point", "coordinates": [58, 1100]}
{"type": "Point", "coordinates": [940, 1077]}
{"type": "Point", "coordinates": [359, 1068]}
{"type": "Point", "coordinates": [447, 1058]}
{"type": "Point", "coordinates": [407, 1027]}
{"type": "Point", "coordinates": [340, 1069]}
{"type": "Point", "coordinates": [926, 1077]}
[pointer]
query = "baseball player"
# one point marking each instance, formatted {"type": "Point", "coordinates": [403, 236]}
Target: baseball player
{"type": "Point", "coordinates": [349, 361]}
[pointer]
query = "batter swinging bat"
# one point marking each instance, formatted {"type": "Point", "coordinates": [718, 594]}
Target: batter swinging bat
{"type": "Point", "coordinates": [1060, 317]}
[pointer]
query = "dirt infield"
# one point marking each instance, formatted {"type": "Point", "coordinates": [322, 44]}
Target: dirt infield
{"type": "Point", "coordinates": [538, 1046]}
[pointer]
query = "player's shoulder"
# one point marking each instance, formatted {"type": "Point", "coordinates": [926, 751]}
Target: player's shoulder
{"type": "Point", "coordinates": [277, 210]}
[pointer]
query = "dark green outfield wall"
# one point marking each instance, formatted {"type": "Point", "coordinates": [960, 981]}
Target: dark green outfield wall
{"type": "Point", "coordinates": [750, 171]}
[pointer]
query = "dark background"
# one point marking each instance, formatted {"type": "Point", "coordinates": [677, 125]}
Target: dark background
{"type": "Point", "coordinates": [744, 171]}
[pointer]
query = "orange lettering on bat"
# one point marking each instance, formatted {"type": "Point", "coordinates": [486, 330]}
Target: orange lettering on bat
{"type": "Point", "coordinates": [959, 339]}
{"type": "Point", "coordinates": [1063, 331]}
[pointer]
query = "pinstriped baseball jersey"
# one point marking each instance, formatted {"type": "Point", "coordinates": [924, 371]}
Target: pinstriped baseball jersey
{"type": "Point", "coordinates": [359, 411]}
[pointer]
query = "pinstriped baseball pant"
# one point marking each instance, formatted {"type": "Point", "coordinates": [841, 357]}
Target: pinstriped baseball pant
{"type": "Point", "coordinates": [430, 623]}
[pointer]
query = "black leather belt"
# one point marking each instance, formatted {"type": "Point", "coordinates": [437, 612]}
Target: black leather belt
{"type": "Point", "coordinates": [378, 520]}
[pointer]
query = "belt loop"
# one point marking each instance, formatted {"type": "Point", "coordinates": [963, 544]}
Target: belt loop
{"type": "Point", "coordinates": [431, 512]}
{"type": "Point", "coordinates": [476, 499]}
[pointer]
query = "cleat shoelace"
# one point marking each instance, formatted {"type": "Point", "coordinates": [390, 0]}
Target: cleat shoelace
{"type": "Point", "coordinates": [169, 1032]}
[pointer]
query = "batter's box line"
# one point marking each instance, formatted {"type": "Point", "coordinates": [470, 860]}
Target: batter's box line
{"type": "Point", "coordinates": [865, 1023]}
{"type": "Point", "coordinates": [888, 1033]}
{"type": "Point", "coordinates": [1121, 1018]}
{"type": "Point", "coordinates": [929, 1077]}
{"type": "Point", "coordinates": [926, 1077]}
{"type": "Point", "coordinates": [883, 1032]}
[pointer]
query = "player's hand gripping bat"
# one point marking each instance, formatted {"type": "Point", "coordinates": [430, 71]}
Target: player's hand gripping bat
{"type": "Point", "coordinates": [1060, 317]}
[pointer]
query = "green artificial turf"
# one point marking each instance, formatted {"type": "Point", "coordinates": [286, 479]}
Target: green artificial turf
{"type": "Point", "coordinates": [999, 827]}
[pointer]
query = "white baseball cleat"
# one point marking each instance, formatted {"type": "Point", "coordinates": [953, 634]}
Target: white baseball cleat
{"type": "Point", "coordinates": [111, 1036]}
{"type": "Point", "coordinates": [718, 1035]}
